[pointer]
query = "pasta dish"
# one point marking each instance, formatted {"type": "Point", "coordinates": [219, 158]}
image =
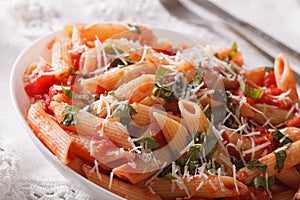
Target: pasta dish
{"type": "Point", "coordinates": [150, 119]}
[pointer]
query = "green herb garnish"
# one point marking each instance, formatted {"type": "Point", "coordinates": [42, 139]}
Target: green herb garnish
{"type": "Point", "coordinates": [278, 136]}
{"type": "Point", "coordinates": [135, 28]}
{"type": "Point", "coordinates": [124, 112]}
{"type": "Point", "coordinates": [147, 142]}
{"type": "Point", "coordinates": [112, 50]}
{"type": "Point", "coordinates": [71, 94]}
{"type": "Point", "coordinates": [260, 181]}
{"type": "Point", "coordinates": [255, 163]}
{"type": "Point", "coordinates": [169, 176]}
{"type": "Point", "coordinates": [234, 48]}
{"type": "Point", "coordinates": [280, 155]}
{"type": "Point", "coordinates": [210, 142]}
{"type": "Point", "coordinates": [163, 92]}
{"type": "Point", "coordinates": [70, 115]}
{"type": "Point", "coordinates": [197, 78]}
{"type": "Point", "coordinates": [269, 69]}
{"type": "Point", "coordinates": [254, 93]}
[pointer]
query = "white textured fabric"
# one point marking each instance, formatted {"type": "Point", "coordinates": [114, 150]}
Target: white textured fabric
{"type": "Point", "coordinates": [24, 172]}
{"type": "Point", "coordinates": [15, 187]}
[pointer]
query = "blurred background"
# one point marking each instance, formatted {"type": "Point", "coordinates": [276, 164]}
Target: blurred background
{"type": "Point", "coordinates": [22, 21]}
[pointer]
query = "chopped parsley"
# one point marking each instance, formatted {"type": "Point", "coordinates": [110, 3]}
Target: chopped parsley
{"type": "Point", "coordinates": [147, 142]}
{"type": "Point", "coordinates": [71, 94]}
{"type": "Point", "coordinates": [254, 93]}
{"type": "Point", "coordinates": [260, 181]}
{"type": "Point", "coordinates": [70, 113]}
{"type": "Point", "coordinates": [278, 136]}
{"type": "Point", "coordinates": [255, 163]}
{"type": "Point", "coordinates": [280, 156]}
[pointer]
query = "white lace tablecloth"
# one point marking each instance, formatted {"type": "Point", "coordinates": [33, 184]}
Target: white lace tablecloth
{"type": "Point", "coordinates": [24, 172]}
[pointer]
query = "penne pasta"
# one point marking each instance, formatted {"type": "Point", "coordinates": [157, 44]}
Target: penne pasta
{"type": "Point", "coordinates": [50, 133]}
{"type": "Point", "coordinates": [61, 60]}
{"type": "Point", "coordinates": [176, 134]}
{"type": "Point", "coordinates": [90, 125]}
{"type": "Point", "coordinates": [193, 116]}
{"type": "Point", "coordinates": [166, 121]}
{"type": "Point", "coordinates": [290, 177]}
{"type": "Point", "coordinates": [247, 175]}
{"type": "Point", "coordinates": [285, 79]}
{"type": "Point", "coordinates": [137, 89]}
{"type": "Point", "coordinates": [110, 80]}
{"type": "Point", "coordinates": [119, 187]}
{"type": "Point", "coordinates": [198, 187]}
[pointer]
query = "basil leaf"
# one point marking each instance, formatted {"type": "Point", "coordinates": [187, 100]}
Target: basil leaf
{"type": "Point", "coordinates": [70, 115]}
{"type": "Point", "coordinates": [198, 137]}
{"type": "Point", "coordinates": [124, 112]}
{"type": "Point", "coordinates": [277, 136]}
{"type": "Point", "coordinates": [135, 28]}
{"type": "Point", "coordinates": [71, 94]}
{"type": "Point", "coordinates": [255, 163]}
{"type": "Point", "coordinates": [163, 92]}
{"type": "Point", "coordinates": [269, 69]}
{"type": "Point", "coordinates": [239, 164]}
{"type": "Point", "coordinates": [170, 176]}
{"type": "Point", "coordinates": [210, 142]}
{"type": "Point", "coordinates": [234, 48]}
{"type": "Point", "coordinates": [260, 181]}
{"type": "Point", "coordinates": [197, 78]}
{"type": "Point", "coordinates": [111, 50]}
{"type": "Point", "coordinates": [147, 142]}
{"type": "Point", "coordinates": [280, 156]}
{"type": "Point", "coordinates": [254, 93]}
{"type": "Point", "coordinates": [192, 160]}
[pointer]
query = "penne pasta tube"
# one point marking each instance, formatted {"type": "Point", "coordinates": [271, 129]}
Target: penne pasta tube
{"type": "Point", "coordinates": [273, 114]}
{"type": "Point", "coordinates": [137, 89]}
{"type": "Point", "coordinates": [61, 60]}
{"type": "Point", "coordinates": [144, 115]}
{"type": "Point", "coordinates": [247, 175]}
{"type": "Point", "coordinates": [175, 134]}
{"type": "Point", "coordinates": [290, 177]}
{"type": "Point", "coordinates": [90, 125]}
{"type": "Point", "coordinates": [297, 195]}
{"type": "Point", "coordinates": [198, 187]}
{"type": "Point", "coordinates": [289, 194]}
{"type": "Point", "coordinates": [50, 133]}
{"type": "Point", "coordinates": [152, 100]}
{"type": "Point", "coordinates": [285, 79]}
{"type": "Point", "coordinates": [105, 31]}
{"type": "Point", "coordinates": [292, 132]}
{"type": "Point", "coordinates": [112, 79]}
{"type": "Point", "coordinates": [80, 147]}
{"type": "Point", "coordinates": [193, 116]}
{"type": "Point", "coordinates": [76, 165]}
{"type": "Point", "coordinates": [145, 165]}
{"type": "Point", "coordinates": [118, 187]}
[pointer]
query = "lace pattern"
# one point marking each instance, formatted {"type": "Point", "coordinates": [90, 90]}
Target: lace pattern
{"type": "Point", "coordinates": [15, 187]}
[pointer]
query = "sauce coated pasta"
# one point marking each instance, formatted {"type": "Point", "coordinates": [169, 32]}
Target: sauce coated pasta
{"type": "Point", "coordinates": [148, 119]}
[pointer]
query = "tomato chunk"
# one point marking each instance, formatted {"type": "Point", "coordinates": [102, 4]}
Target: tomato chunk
{"type": "Point", "coordinates": [40, 85]}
